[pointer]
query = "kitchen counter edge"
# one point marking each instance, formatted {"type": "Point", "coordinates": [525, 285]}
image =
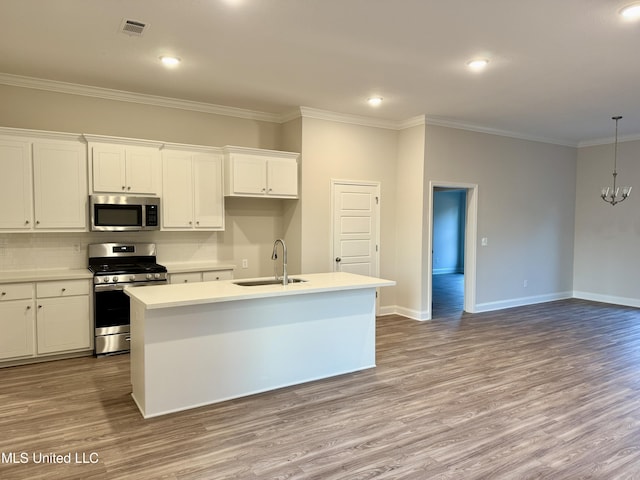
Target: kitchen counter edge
{"type": "Point", "coordinates": [179, 295]}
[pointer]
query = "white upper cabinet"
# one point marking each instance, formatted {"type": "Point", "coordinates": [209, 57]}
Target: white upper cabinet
{"type": "Point", "coordinates": [60, 185]}
{"type": "Point", "coordinates": [45, 182]}
{"type": "Point", "coordinates": [124, 168]}
{"type": "Point", "coordinates": [16, 185]}
{"type": "Point", "coordinates": [252, 172]}
{"type": "Point", "coordinates": [192, 197]}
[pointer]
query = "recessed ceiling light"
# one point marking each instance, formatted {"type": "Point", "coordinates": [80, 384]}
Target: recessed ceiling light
{"type": "Point", "coordinates": [477, 64]}
{"type": "Point", "coordinates": [374, 101]}
{"type": "Point", "coordinates": [170, 61]}
{"type": "Point", "coordinates": [631, 12]}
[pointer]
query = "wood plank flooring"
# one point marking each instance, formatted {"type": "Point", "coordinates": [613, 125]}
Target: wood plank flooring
{"type": "Point", "coordinates": [544, 391]}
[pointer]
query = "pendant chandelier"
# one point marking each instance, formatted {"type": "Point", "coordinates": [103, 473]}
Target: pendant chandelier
{"type": "Point", "coordinates": [611, 195]}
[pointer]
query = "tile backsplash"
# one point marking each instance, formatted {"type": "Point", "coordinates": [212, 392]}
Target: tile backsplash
{"type": "Point", "coordinates": [28, 251]}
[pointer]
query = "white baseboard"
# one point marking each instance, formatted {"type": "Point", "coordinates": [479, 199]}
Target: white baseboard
{"type": "Point", "coordinates": [596, 297]}
{"type": "Point", "coordinates": [405, 312]}
{"type": "Point", "coordinates": [522, 301]}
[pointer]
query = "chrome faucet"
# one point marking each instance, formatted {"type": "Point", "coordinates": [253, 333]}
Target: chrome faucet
{"type": "Point", "coordinates": [274, 257]}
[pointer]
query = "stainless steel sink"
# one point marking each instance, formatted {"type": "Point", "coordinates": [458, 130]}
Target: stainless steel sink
{"type": "Point", "coordinates": [270, 281]}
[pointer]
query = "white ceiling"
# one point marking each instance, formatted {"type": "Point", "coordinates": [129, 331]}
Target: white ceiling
{"type": "Point", "coordinates": [559, 69]}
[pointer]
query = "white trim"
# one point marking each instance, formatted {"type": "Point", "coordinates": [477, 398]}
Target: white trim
{"type": "Point", "coordinates": [597, 297]}
{"type": "Point", "coordinates": [470, 243]}
{"type": "Point", "coordinates": [522, 301]}
{"type": "Point", "coordinates": [441, 122]}
{"type": "Point", "coordinates": [316, 113]}
{"type": "Point", "coordinates": [92, 138]}
{"type": "Point", "coordinates": [608, 140]}
{"type": "Point", "coordinates": [420, 316]}
{"type": "Point", "coordinates": [40, 134]}
{"type": "Point", "coordinates": [307, 112]}
{"type": "Point", "coordinates": [124, 96]}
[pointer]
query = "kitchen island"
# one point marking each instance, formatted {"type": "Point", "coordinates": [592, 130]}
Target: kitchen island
{"type": "Point", "coordinates": [202, 343]}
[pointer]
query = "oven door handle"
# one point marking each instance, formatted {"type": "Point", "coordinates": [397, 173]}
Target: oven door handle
{"type": "Point", "coordinates": [121, 286]}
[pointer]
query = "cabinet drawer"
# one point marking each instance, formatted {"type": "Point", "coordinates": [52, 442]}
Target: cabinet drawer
{"type": "Point", "coordinates": [16, 291]}
{"type": "Point", "coordinates": [217, 275]}
{"type": "Point", "coordinates": [186, 277]}
{"type": "Point", "coordinates": [63, 288]}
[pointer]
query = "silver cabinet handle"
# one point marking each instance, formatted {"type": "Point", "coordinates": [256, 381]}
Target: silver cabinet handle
{"type": "Point", "coordinates": [123, 187]}
{"type": "Point", "coordinates": [338, 259]}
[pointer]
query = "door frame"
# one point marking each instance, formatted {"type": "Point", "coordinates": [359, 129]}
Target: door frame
{"type": "Point", "coordinates": [470, 242]}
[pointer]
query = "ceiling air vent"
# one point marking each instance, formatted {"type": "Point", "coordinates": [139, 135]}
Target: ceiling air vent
{"type": "Point", "coordinates": [133, 27]}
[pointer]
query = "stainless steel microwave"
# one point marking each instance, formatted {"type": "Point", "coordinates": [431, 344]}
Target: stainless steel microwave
{"type": "Point", "coordinates": [123, 213]}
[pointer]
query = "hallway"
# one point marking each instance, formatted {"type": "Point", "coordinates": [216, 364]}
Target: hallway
{"type": "Point", "coordinates": [448, 296]}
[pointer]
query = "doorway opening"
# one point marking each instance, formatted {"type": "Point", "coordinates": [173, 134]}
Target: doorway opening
{"type": "Point", "coordinates": [447, 273]}
{"type": "Point", "coordinates": [452, 246]}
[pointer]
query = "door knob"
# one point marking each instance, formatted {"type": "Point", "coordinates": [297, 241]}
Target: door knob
{"type": "Point", "coordinates": [338, 259]}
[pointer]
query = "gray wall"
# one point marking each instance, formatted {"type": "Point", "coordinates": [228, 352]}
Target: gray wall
{"type": "Point", "coordinates": [607, 239]}
{"type": "Point", "coordinates": [525, 210]}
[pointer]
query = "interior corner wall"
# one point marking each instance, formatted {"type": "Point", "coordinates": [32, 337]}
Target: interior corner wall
{"type": "Point", "coordinates": [340, 151]}
{"type": "Point", "coordinates": [607, 237]}
{"type": "Point", "coordinates": [409, 225]}
{"type": "Point", "coordinates": [292, 209]}
{"type": "Point", "coordinates": [526, 206]}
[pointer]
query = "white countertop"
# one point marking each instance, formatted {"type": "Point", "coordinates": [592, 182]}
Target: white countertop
{"type": "Point", "coordinates": [188, 267]}
{"type": "Point", "coordinates": [167, 296]}
{"type": "Point", "coordinates": [43, 275]}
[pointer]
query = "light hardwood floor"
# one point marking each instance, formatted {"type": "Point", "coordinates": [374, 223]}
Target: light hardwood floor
{"type": "Point", "coordinates": [544, 391]}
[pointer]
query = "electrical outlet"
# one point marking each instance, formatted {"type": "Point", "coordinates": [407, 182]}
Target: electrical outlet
{"type": "Point", "coordinates": [76, 247]}
{"type": "Point", "coordinates": [245, 263]}
{"type": "Point", "coordinates": [484, 241]}
{"type": "Point", "coordinates": [525, 283]}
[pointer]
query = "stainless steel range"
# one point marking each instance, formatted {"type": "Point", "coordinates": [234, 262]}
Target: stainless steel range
{"type": "Point", "coordinates": [115, 266]}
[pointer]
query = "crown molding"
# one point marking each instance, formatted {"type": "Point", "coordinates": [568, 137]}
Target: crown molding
{"type": "Point", "coordinates": [441, 122]}
{"type": "Point", "coordinates": [40, 134]}
{"type": "Point", "coordinates": [123, 96]}
{"type": "Point", "coordinates": [308, 112]}
{"type": "Point", "coordinates": [608, 140]}
{"type": "Point", "coordinates": [304, 112]}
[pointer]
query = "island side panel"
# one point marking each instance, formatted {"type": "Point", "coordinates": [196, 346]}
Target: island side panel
{"type": "Point", "coordinates": [137, 318]}
{"type": "Point", "coordinates": [202, 354]}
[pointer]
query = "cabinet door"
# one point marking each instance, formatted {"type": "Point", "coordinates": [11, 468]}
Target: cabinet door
{"type": "Point", "coordinates": [60, 185]}
{"type": "Point", "coordinates": [109, 174]}
{"type": "Point", "coordinates": [249, 175]}
{"type": "Point", "coordinates": [63, 324]}
{"type": "Point", "coordinates": [142, 170]}
{"type": "Point", "coordinates": [15, 185]}
{"type": "Point", "coordinates": [177, 196]}
{"type": "Point", "coordinates": [282, 177]}
{"type": "Point", "coordinates": [207, 192]}
{"type": "Point", "coordinates": [17, 327]}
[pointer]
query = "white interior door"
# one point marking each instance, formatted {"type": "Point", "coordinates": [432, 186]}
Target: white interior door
{"type": "Point", "coordinates": [356, 227]}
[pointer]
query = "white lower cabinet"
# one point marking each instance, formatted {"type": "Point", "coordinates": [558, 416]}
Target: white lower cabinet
{"type": "Point", "coordinates": [17, 320]}
{"type": "Point", "coordinates": [63, 316]}
{"type": "Point", "coordinates": [206, 276]}
{"type": "Point", "coordinates": [62, 324]}
{"type": "Point", "coordinates": [44, 318]}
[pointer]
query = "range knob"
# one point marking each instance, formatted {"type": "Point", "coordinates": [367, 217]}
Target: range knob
{"type": "Point", "coordinates": [132, 278]}
{"type": "Point", "coordinates": [149, 276]}
{"type": "Point", "coordinates": [115, 279]}
{"type": "Point", "coordinates": [157, 275]}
